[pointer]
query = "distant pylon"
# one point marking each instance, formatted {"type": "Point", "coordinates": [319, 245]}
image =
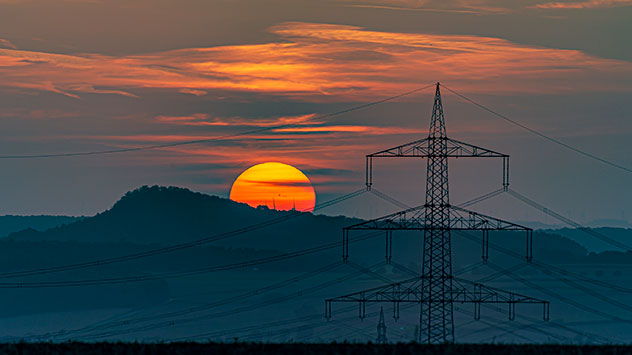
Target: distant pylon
{"type": "Point", "coordinates": [436, 289]}
{"type": "Point", "coordinates": [381, 329]}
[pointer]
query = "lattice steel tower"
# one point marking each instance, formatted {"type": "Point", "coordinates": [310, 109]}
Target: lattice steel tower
{"type": "Point", "coordinates": [381, 329]}
{"type": "Point", "coordinates": [436, 289]}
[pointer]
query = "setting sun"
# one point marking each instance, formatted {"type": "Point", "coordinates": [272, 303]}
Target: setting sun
{"type": "Point", "coordinates": [275, 185]}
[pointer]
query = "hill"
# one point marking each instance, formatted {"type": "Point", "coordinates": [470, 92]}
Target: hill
{"type": "Point", "coordinates": [11, 224]}
{"type": "Point", "coordinates": [169, 215]}
{"type": "Point", "coordinates": [622, 235]}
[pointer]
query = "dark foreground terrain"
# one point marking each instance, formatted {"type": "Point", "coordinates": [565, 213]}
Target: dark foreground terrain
{"type": "Point", "coordinates": [334, 348]}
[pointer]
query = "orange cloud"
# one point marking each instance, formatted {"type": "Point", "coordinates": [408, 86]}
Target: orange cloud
{"type": "Point", "coordinates": [323, 62]}
{"type": "Point", "coordinates": [193, 92]}
{"type": "Point", "coordinates": [202, 119]}
{"type": "Point", "coordinates": [589, 4]}
{"type": "Point", "coordinates": [6, 43]}
{"type": "Point", "coordinates": [354, 129]}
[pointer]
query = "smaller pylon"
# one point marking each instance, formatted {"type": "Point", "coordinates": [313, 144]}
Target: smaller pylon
{"type": "Point", "coordinates": [381, 329]}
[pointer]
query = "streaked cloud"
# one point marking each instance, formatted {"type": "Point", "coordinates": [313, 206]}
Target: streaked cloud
{"type": "Point", "coordinates": [413, 9]}
{"type": "Point", "coordinates": [450, 6]}
{"type": "Point", "coordinates": [482, 6]}
{"type": "Point", "coordinates": [193, 92]}
{"type": "Point", "coordinates": [370, 130]}
{"type": "Point", "coordinates": [318, 62]}
{"type": "Point", "coordinates": [7, 44]}
{"type": "Point", "coordinates": [203, 119]}
{"type": "Point", "coordinates": [588, 4]}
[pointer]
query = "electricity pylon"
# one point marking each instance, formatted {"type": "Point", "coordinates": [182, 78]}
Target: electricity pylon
{"type": "Point", "coordinates": [381, 329]}
{"type": "Point", "coordinates": [436, 290]}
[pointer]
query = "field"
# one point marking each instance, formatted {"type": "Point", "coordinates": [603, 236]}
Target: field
{"type": "Point", "coordinates": [297, 348]}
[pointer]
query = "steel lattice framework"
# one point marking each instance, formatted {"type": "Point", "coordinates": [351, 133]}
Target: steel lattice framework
{"type": "Point", "coordinates": [381, 329]}
{"type": "Point", "coordinates": [436, 290]}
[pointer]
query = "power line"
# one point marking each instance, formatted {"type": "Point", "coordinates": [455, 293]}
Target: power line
{"type": "Point", "coordinates": [285, 322]}
{"type": "Point", "coordinates": [256, 292]}
{"type": "Point", "coordinates": [361, 270]}
{"type": "Point", "coordinates": [584, 278]}
{"type": "Point", "coordinates": [109, 281]}
{"type": "Point", "coordinates": [492, 325]}
{"type": "Point", "coordinates": [529, 327]}
{"type": "Point", "coordinates": [563, 299]}
{"type": "Point", "coordinates": [389, 199]}
{"type": "Point", "coordinates": [549, 266]}
{"type": "Point", "coordinates": [392, 200]}
{"type": "Point", "coordinates": [288, 322]}
{"type": "Point", "coordinates": [552, 324]}
{"type": "Point", "coordinates": [547, 291]}
{"type": "Point", "coordinates": [567, 220]}
{"type": "Point", "coordinates": [237, 310]}
{"type": "Point", "coordinates": [176, 247]}
{"type": "Point", "coordinates": [526, 282]}
{"type": "Point", "coordinates": [502, 273]}
{"type": "Point", "coordinates": [353, 329]}
{"type": "Point", "coordinates": [587, 290]}
{"type": "Point", "coordinates": [482, 198]}
{"type": "Point", "coordinates": [213, 139]}
{"type": "Point", "coordinates": [549, 138]}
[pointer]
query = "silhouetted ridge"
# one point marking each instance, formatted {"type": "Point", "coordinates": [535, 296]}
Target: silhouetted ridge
{"type": "Point", "coordinates": [11, 224]}
{"type": "Point", "coordinates": [172, 215]}
{"type": "Point", "coordinates": [156, 198]}
{"type": "Point", "coordinates": [158, 214]}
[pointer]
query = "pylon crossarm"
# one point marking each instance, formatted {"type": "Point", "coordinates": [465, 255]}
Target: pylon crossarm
{"type": "Point", "coordinates": [459, 219]}
{"type": "Point", "coordinates": [371, 293]}
{"type": "Point", "coordinates": [415, 219]}
{"type": "Point", "coordinates": [476, 292]}
{"type": "Point", "coordinates": [458, 149]}
{"type": "Point", "coordinates": [463, 219]}
{"type": "Point", "coordinates": [421, 149]}
{"type": "Point", "coordinates": [462, 291]}
{"type": "Point", "coordinates": [412, 218]}
{"type": "Point", "coordinates": [418, 148]}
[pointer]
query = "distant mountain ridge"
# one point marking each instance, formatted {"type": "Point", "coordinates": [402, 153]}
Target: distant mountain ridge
{"type": "Point", "coordinates": [592, 244]}
{"type": "Point", "coordinates": [11, 224]}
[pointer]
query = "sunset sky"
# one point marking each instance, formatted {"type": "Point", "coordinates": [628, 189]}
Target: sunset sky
{"type": "Point", "coordinates": [83, 75]}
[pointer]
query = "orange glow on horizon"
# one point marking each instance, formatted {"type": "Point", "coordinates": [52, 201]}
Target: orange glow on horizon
{"type": "Point", "coordinates": [275, 185]}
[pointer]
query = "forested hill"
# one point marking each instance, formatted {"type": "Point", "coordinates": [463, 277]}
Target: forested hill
{"type": "Point", "coordinates": [167, 215]}
{"type": "Point", "coordinates": [172, 215]}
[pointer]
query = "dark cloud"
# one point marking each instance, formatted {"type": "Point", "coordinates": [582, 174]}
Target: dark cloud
{"type": "Point", "coordinates": [328, 171]}
{"type": "Point", "coordinates": [279, 183]}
